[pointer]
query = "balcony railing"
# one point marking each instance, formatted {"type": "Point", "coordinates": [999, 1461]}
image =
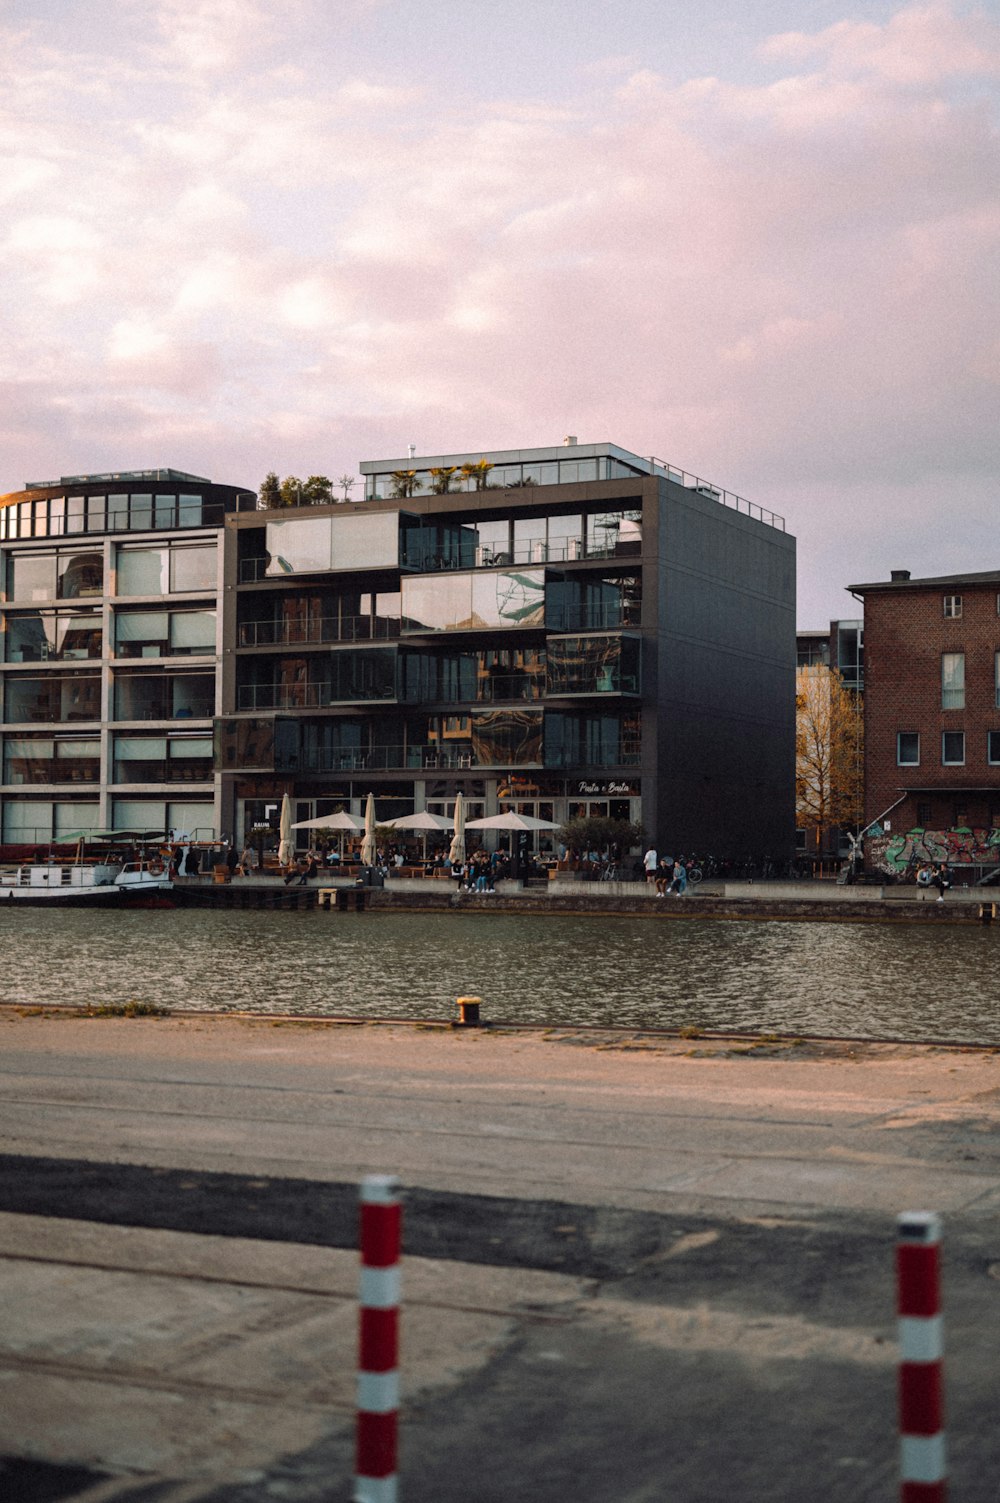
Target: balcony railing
{"type": "Point", "coordinates": [576, 618]}
{"type": "Point", "coordinates": [716, 493]}
{"type": "Point", "coordinates": [317, 630]}
{"type": "Point", "coordinates": [433, 758]}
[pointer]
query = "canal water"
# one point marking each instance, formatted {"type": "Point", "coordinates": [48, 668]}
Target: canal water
{"type": "Point", "coordinates": [920, 982]}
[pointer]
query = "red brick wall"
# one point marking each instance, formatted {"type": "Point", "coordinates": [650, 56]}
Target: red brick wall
{"type": "Point", "coordinates": [906, 633]}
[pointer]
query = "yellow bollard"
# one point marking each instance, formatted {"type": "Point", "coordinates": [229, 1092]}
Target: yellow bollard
{"type": "Point", "coordinates": [468, 1008]}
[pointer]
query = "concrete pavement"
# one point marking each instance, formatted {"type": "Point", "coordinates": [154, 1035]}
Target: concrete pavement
{"type": "Point", "coordinates": [637, 1266]}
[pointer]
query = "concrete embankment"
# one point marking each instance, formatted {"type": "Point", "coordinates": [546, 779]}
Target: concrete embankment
{"type": "Point", "coordinates": [636, 1266]}
{"type": "Point", "coordinates": [815, 901]}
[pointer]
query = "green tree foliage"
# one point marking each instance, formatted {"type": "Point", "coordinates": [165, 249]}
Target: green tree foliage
{"type": "Point", "coordinates": [291, 491]}
{"type": "Point", "coordinates": [317, 491]}
{"type": "Point", "coordinates": [269, 494]}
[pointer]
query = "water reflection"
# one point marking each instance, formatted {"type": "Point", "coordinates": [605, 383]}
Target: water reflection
{"type": "Point", "coordinates": [876, 981]}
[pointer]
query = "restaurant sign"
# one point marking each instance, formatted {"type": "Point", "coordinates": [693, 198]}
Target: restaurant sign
{"type": "Point", "coordinates": [594, 788]}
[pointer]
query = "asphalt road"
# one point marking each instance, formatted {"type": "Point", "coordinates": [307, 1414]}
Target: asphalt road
{"type": "Point", "coordinates": [637, 1268]}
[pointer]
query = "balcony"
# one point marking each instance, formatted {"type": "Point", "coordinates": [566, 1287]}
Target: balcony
{"type": "Point", "coordinates": [318, 630]}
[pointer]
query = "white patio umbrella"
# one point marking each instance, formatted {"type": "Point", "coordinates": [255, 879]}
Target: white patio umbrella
{"type": "Point", "coordinates": [286, 849]}
{"type": "Point", "coordinates": [457, 852]}
{"type": "Point", "coordinates": [511, 821]}
{"type": "Point", "coordinates": [368, 843]}
{"type": "Point", "coordinates": [339, 821]}
{"type": "Point", "coordinates": [424, 822]}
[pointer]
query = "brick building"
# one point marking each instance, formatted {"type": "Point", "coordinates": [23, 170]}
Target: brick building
{"type": "Point", "coordinates": [932, 719]}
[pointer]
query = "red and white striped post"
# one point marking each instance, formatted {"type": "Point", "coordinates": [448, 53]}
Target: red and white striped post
{"type": "Point", "coordinates": [921, 1350]}
{"type": "Point", "coordinates": [375, 1479]}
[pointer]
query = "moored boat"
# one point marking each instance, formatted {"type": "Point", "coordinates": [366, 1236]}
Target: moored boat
{"type": "Point", "coordinates": [50, 883]}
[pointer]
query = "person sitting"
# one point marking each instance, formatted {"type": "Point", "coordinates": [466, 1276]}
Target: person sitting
{"type": "Point", "coordinates": [664, 875]}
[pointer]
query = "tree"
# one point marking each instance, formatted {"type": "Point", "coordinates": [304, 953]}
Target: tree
{"type": "Point", "coordinates": [441, 478]}
{"type": "Point", "coordinates": [405, 483]}
{"type": "Point", "coordinates": [345, 482]}
{"type": "Point", "coordinates": [269, 494]}
{"type": "Point", "coordinates": [317, 491]}
{"type": "Point", "coordinates": [477, 472]}
{"type": "Point", "coordinates": [829, 752]}
{"type": "Point", "coordinates": [291, 491]}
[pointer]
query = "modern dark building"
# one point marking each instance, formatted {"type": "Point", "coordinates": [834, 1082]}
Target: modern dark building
{"type": "Point", "coordinates": [932, 719]}
{"type": "Point", "coordinates": [563, 631]}
{"type": "Point", "coordinates": [111, 652]}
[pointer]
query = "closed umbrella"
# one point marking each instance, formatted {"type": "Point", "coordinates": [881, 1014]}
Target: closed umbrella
{"type": "Point", "coordinates": [286, 849]}
{"type": "Point", "coordinates": [456, 854]}
{"type": "Point", "coordinates": [368, 843]}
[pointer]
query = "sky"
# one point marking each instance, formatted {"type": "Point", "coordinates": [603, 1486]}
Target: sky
{"type": "Point", "coordinates": [758, 241]}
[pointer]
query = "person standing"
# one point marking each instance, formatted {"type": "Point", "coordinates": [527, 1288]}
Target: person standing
{"type": "Point", "coordinates": [650, 863]}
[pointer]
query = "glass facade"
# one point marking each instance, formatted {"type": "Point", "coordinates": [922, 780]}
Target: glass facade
{"type": "Point", "coordinates": [52, 697]}
{"type": "Point", "coordinates": [474, 602]}
{"type": "Point", "coordinates": [52, 636]}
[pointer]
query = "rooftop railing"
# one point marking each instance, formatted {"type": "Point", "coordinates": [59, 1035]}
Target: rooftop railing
{"type": "Point", "coordinates": [716, 493]}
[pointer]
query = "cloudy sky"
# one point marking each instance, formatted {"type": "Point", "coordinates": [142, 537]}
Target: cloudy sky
{"type": "Point", "coordinates": [758, 241]}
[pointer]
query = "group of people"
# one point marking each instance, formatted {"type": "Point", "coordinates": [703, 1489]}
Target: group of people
{"type": "Point", "coordinates": [668, 873]}
{"type": "Point", "coordinates": [935, 874]}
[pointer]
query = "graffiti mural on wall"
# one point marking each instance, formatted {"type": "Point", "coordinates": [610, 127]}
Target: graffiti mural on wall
{"type": "Point", "coordinates": [899, 854]}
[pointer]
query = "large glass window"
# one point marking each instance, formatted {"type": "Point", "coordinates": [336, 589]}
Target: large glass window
{"type": "Point", "coordinates": [472, 602]}
{"type": "Point", "coordinates": [304, 545]}
{"type": "Point", "coordinates": [31, 576]}
{"type": "Point", "coordinates": [117, 513]}
{"type": "Point", "coordinates": [581, 602]}
{"type": "Point", "coordinates": [43, 635]}
{"type": "Point", "coordinates": [164, 696]}
{"type": "Point", "coordinates": [587, 740]}
{"type": "Point", "coordinates": [614, 534]}
{"type": "Point", "coordinates": [593, 665]}
{"type": "Point", "coordinates": [953, 681]}
{"type": "Point", "coordinates": [565, 538]}
{"type": "Point", "coordinates": [162, 571]}
{"type": "Point", "coordinates": [506, 738]}
{"type": "Point", "coordinates": [150, 634]}
{"type": "Point", "coordinates": [52, 760]}
{"type": "Point", "coordinates": [52, 698]}
{"type": "Point", "coordinates": [193, 569]}
{"type": "Point", "coordinates": [143, 571]}
{"type": "Point", "coordinates": [369, 673]}
{"type": "Point", "coordinates": [162, 759]}
{"type": "Point", "coordinates": [79, 575]}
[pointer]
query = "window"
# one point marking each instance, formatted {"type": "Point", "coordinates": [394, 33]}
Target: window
{"type": "Point", "coordinates": [953, 681]}
{"type": "Point", "coordinates": [953, 748]}
{"type": "Point", "coordinates": [952, 606]}
{"type": "Point", "coordinates": [993, 747]}
{"type": "Point", "coordinates": [996, 679]}
{"type": "Point", "coordinates": [908, 749]}
{"type": "Point", "coordinates": [924, 815]}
